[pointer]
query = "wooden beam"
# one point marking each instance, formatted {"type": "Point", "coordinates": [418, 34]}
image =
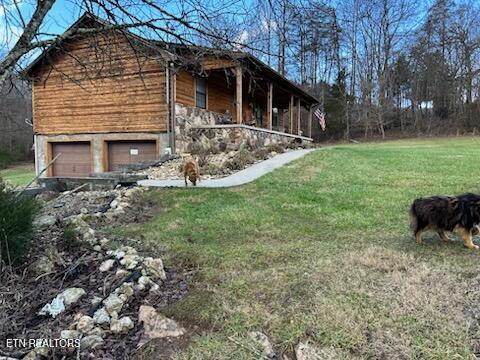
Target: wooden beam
{"type": "Point", "coordinates": [310, 113]}
{"type": "Point", "coordinates": [269, 105]}
{"type": "Point", "coordinates": [238, 94]}
{"type": "Point", "coordinates": [290, 114]}
{"type": "Point", "coordinates": [299, 117]}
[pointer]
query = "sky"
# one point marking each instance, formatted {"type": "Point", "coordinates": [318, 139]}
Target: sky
{"type": "Point", "coordinates": [66, 12]}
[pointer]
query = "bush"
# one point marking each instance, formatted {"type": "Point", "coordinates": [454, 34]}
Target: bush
{"type": "Point", "coordinates": [240, 160]}
{"type": "Point", "coordinates": [70, 237]}
{"type": "Point", "coordinates": [278, 148]}
{"type": "Point", "coordinates": [16, 223]}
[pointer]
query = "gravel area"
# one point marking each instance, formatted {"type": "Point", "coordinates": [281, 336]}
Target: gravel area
{"type": "Point", "coordinates": [213, 166]}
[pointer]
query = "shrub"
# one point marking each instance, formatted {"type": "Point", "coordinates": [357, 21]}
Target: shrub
{"type": "Point", "coordinates": [261, 153]}
{"type": "Point", "coordinates": [16, 223]}
{"type": "Point", "coordinates": [240, 160]}
{"type": "Point", "coordinates": [278, 148]}
{"type": "Point", "coordinates": [212, 169]}
{"type": "Point", "coordinates": [70, 237]}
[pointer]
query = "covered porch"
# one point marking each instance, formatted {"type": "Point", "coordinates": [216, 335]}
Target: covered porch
{"type": "Point", "coordinates": [259, 97]}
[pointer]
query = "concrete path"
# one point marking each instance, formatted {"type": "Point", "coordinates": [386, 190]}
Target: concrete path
{"type": "Point", "coordinates": [242, 177]}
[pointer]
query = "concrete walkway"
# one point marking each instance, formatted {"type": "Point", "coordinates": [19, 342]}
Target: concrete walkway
{"type": "Point", "coordinates": [242, 177]}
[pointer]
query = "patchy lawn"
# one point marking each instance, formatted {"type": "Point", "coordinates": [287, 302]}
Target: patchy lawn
{"type": "Point", "coordinates": [321, 250]}
{"type": "Point", "coordinates": [18, 174]}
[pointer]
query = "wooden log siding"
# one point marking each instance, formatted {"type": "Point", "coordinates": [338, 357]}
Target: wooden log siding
{"type": "Point", "coordinates": [98, 88]}
{"type": "Point", "coordinates": [220, 93]}
{"type": "Point", "coordinates": [185, 91]}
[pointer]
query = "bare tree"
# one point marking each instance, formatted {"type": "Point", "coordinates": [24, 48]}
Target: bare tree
{"type": "Point", "coordinates": [184, 21]}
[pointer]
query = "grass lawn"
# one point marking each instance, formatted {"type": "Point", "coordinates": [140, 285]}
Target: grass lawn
{"type": "Point", "coordinates": [18, 174]}
{"type": "Point", "coordinates": [321, 250]}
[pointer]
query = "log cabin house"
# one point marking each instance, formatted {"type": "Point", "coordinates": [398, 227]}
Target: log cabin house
{"type": "Point", "coordinates": [106, 98]}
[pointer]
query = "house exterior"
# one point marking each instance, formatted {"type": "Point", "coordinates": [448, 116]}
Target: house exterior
{"type": "Point", "coordinates": [104, 99]}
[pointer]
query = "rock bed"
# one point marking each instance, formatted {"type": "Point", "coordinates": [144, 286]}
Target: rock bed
{"type": "Point", "coordinates": [80, 287]}
{"type": "Point", "coordinates": [214, 166]}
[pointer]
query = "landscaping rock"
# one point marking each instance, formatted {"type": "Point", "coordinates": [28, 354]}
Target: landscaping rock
{"type": "Point", "coordinates": [122, 325]}
{"type": "Point", "coordinates": [107, 265]}
{"type": "Point", "coordinates": [143, 282]}
{"type": "Point", "coordinates": [69, 334]}
{"type": "Point", "coordinates": [96, 331]}
{"type": "Point", "coordinates": [157, 325]}
{"type": "Point", "coordinates": [32, 355]}
{"type": "Point", "coordinates": [121, 273]}
{"type": "Point", "coordinates": [89, 237]}
{"type": "Point", "coordinates": [44, 221]}
{"type": "Point", "coordinates": [91, 341]}
{"type": "Point", "coordinates": [154, 268]}
{"type": "Point", "coordinates": [130, 261]}
{"type": "Point", "coordinates": [125, 289]}
{"type": "Point", "coordinates": [104, 242]}
{"type": "Point", "coordinates": [62, 301]}
{"type": "Point", "coordinates": [72, 295]}
{"type": "Point", "coordinates": [96, 300]}
{"type": "Point", "coordinates": [42, 351]}
{"type": "Point", "coordinates": [119, 254]}
{"type": "Point", "coordinates": [263, 343]}
{"type": "Point", "coordinates": [85, 324]}
{"type": "Point", "coordinates": [43, 265]}
{"type": "Point", "coordinates": [101, 316]}
{"type": "Point", "coordinates": [113, 303]}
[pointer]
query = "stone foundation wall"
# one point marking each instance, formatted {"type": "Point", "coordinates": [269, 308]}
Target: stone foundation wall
{"type": "Point", "coordinates": [201, 130]}
{"type": "Point", "coordinates": [187, 118]}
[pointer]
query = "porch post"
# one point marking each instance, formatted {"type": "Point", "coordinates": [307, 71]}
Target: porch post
{"type": "Point", "coordinates": [299, 116]}
{"type": "Point", "coordinates": [269, 105]}
{"type": "Point", "coordinates": [290, 114]}
{"type": "Point", "coordinates": [310, 112]}
{"type": "Point", "coordinates": [238, 94]}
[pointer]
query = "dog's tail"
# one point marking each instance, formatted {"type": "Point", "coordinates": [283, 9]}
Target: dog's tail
{"type": "Point", "coordinates": [413, 218]}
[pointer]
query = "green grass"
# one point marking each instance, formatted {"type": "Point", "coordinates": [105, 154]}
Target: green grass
{"type": "Point", "coordinates": [320, 250]}
{"type": "Point", "coordinates": [19, 174]}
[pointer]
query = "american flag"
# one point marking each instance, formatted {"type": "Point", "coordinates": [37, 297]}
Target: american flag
{"type": "Point", "coordinates": [320, 115]}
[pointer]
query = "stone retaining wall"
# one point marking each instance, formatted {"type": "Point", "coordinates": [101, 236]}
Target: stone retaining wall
{"type": "Point", "coordinates": [199, 130]}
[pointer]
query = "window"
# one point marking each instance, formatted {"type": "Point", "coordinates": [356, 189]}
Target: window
{"type": "Point", "coordinates": [201, 93]}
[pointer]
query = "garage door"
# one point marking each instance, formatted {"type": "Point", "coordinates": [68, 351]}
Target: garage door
{"type": "Point", "coordinates": [74, 161]}
{"type": "Point", "coordinates": [128, 152]}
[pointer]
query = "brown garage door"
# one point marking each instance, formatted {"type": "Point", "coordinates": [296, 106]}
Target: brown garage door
{"type": "Point", "coordinates": [128, 152]}
{"type": "Point", "coordinates": [74, 161]}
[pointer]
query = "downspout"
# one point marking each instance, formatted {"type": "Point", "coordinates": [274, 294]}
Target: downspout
{"type": "Point", "coordinates": [167, 90]}
{"type": "Point", "coordinates": [172, 77]}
